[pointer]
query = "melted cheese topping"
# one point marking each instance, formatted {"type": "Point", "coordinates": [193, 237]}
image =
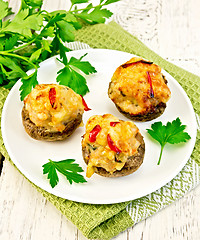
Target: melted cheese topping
{"type": "Point", "coordinates": [67, 104]}
{"type": "Point", "coordinates": [130, 88]}
{"type": "Point", "coordinates": [123, 135]}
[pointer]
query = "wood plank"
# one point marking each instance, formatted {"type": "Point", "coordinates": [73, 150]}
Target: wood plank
{"type": "Point", "coordinates": [178, 221]}
{"type": "Point", "coordinates": [26, 214]}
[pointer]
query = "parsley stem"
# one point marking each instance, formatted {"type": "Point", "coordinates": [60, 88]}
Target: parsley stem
{"type": "Point", "coordinates": [70, 8]}
{"type": "Point", "coordinates": [162, 147]}
{"type": "Point", "coordinates": [19, 57]}
{"type": "Point", "coordinates": [87, 8]}
{"type": "Point", "coordinates": [22, 46]}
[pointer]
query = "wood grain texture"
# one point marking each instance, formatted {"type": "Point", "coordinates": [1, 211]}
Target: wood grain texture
{"type": "Point", "coordinates": [172, 29]}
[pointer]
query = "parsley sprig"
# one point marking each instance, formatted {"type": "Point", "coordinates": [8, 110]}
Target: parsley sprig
{"type": "Point", "coordinates": [34, 35]}
{"type": "Point", "coordinates": [172, 132]}
{"type": "Point", "coordinates": [66, 167]}
{"type": "Point", "coordinates": [69, 75]}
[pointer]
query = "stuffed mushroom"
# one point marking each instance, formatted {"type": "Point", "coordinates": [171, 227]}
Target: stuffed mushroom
{"type": "Point", "coordinates": [139, 90]}
{"type": "Point", "coordinates": [112, 147]}
{"type": "Point", "coordinates": [52, 112]}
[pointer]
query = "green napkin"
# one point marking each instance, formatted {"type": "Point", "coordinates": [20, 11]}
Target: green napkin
{"type": "Point", "coordinates": [106, 221]}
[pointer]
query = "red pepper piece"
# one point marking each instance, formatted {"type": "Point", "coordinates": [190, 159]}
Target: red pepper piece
{"type": "Point", "coordinates": [150, 83]}
{"type": "Point", "coordinates": [112, 145]}
{"type": "Point", "coordinates": [134, 63]}
{"type": "Point", "coordinates": [93, 134]}
{"type": "Point", "coordinates": [113, 124]}
{"type": "Point", "coordinates": [52, 97]}
{"type": "Point", "coordinates": [86, 108]}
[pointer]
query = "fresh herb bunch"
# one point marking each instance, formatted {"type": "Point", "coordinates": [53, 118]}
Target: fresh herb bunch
{"type": "Point", "coordinates": [172, 132]}
{"type": "Point", "coordinates": [34, 35]}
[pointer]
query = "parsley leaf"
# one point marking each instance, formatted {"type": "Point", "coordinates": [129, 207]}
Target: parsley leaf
{"type": "Point", "coordinates": [84, 66]}
{"type": "Point", "coordinates": [27, 83]}
{"type": "Point", "coordinates": [10, 42]}
{"type": "Point", "coordinates": [69, 76]}
{"type": "Point", "coordinates": [23, 23]}
{"type": "Point", "coordinates": [66, 31]}
{"type": "Point", "coordinates": [67, 167]}
{"type": "Point", "coordinates": [97, 15]}
{"type": "Point", "coordinates": [78, 1]}
{"type": "Point", "coordinates": [110, 1]}
{"type": "Point", "coordinates": [35, 55]}
{"type": "Point", "coordinates": [78, 83]}
{"type": "Point", "coordinates": [32, 3]}
{"type": "Point", "coordinates": [172, 132]}
{"type": "Point", "coordinates": [4, 9]}
{"type": "Point", "coordinates": [12, 66]}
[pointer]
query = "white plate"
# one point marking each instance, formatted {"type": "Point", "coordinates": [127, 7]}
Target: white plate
{"type": "Point", "coordinates": [29, 155]}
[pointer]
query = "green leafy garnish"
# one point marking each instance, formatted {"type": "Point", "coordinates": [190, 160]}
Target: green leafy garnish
{"type": "Point", "coordinates": [27, 83]}
{"type": "Point", "coordinates": [66, 167]}
{"type": "Point", "coordinates": [172, 132]}
{"type": "Point", "coordinates": [23, 23]}
{"type": "Point", "coordinates": [34, 35]}
{"type": "Point", "coordinates": [69, 76]}
{"type": "Point", "coordinates": [5, 10]}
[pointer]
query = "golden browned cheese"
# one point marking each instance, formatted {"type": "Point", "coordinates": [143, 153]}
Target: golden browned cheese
{"type": "Point", "coordinates": [131, 90]}
{"type": "Point", "coordinates": [53, 111]}
{"type": "Point", "coordinates": [123, 137]}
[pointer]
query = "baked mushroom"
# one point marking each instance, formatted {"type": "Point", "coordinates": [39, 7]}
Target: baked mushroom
{"type": "Point", "coordinates": [52, 112]}
{"type": "Point", "coordinates": [112, 147]}
{"type": "Point", "coordinates": [139, 90]}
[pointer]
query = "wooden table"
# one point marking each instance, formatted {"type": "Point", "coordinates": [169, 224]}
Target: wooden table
{"type": "Point", "coordinates": [172, 29]}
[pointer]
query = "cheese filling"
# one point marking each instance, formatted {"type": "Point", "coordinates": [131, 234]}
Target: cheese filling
{"type": "Point", "coordinates": [101, 153]}
{"type": "Point", "coordinates": [52, 105]}
{"type": "Point", "coordinates": [130, 88]}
